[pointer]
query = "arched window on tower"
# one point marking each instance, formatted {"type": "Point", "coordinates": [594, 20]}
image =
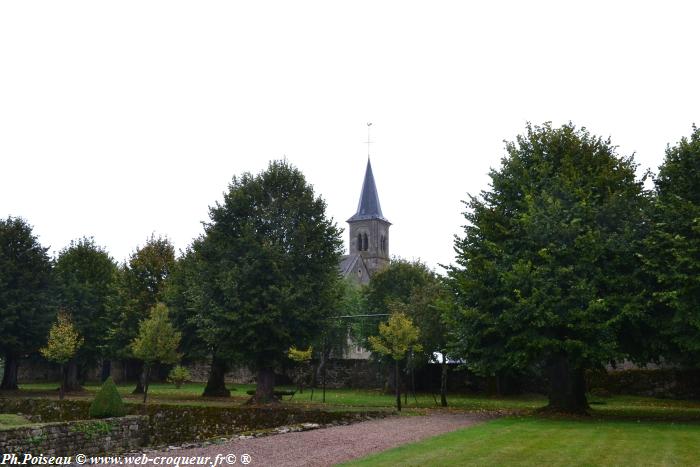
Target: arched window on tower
{"type": "Point", "coordinates": [382, 244]}
{"type": "Point", "coordinates": [365, 245]}
{"type": "Point", "coordinates": [359, 242]}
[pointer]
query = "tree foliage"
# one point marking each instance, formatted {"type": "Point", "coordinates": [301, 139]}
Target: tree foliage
{"type": "Point", "coordinates": [415, 287]}
{"type": "Point", "coordinates": [64, 340]}
{"type": "Point", "coordinates": [672, 252]}
{"type": "Point", "coordinates": [26, 310]}
{"type": "Point", "coordinates": [543, 270]}
{"type": "Point", "coordinates": [396, 336]}
{"type": "Point", "coordinates": [183, 312]}
{"type": "Point", "coordinates": [300, 356]}
{"type": "Point", "coordinates": [139, 285]}
{"type": "Point", "coordinates": [83, 276]}
{"type": "Point", "coordinates": [396, 283]}
{"type": "Point", "coordinates": [63, 343]}
{"type": "Point", "coordinates": [107, 403]}
{"type": "Point", "coordinates": [156, 342]}
{"type": "Point", "coordinates": [179, 375]}
{"type": "Point", "coordinates": [266, 270]}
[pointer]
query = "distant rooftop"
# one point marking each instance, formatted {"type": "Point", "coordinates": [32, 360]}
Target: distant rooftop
{"type": "Point", "coordinates": [368, 207]}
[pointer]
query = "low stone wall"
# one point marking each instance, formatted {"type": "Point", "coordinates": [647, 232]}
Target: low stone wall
{"type": "Point", "coordinates": [178, 424]}
{"type": "Point", "coordinates": [87, 437]}
{"type": "Point", "coordinates": [173, 424]}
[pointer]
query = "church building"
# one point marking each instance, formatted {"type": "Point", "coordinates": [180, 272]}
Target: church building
{"type": "Point", "coordinates": [369, 235]}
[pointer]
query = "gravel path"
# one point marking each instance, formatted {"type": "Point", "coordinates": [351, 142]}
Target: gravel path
{"type": "Point", "coordinates": [328, 446]}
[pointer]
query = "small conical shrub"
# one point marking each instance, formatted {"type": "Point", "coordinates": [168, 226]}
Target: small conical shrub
{"type": "Point", "coordinates": [108, 402]}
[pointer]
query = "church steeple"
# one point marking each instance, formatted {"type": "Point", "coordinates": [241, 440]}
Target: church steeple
{"type": "Point", "coordinates": [368, 207]}
{"type": "Point", "coordinates": [369, 229]}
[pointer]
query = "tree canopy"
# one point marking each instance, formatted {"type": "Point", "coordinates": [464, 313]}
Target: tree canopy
{"type": "Point", "coordinates": [83, 276]}
{"type": "Point", "coordinates": [63, 343]}
{"type": "Point", "coordinates": [139, 285]}
{"type": "Point", "coordinates": [156, 343]}
{"type": "Point", "coordinates": [397, 337]}
{"type": "Point", "coordinates": [543, 268]}
{"type": "Point", "coordinates": [266, 269]}
{"type": "Point", "coordinates": [672, 253]}
{"type": "Point", "coordinates": [26, 308]}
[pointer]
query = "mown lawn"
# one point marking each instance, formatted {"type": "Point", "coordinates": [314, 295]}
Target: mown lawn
{"type": "Point", "coordinates": [10, 420]}
{"type": "Point", "coordinates": [552, 442]}
{"type": "Point", "coordinates": [347, 398]}
{"type": "Point", "coordinates": [621, 430]}
{"type": "Point", "coordinates": [616, 407]}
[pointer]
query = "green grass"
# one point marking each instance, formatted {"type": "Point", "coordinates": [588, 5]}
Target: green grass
{"type": "Point", "coordinates": [188, 394]}
{"type": "Point", "coordinates": [552, 442]}
{"type": "Point", "coordinates": [616, 407]}
{"type": "Point", "coordinates": [335, 398]}
{"type": "Point", "coordinates": [622, 430]}
{"type": "Point", "coordinates": [9, 420]}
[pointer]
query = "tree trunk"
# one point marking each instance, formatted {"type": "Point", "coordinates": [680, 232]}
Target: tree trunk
{"type": "Point", "coordinates": [216, 384]}
{"type": "Point", "coordinates": [70, 377]}
{"type": "Point", "coordinates": [146, 377]}
{"type": "Point", "coordinates": [567, 387]}
{"type": "Point", "coordinates": [106, 370]}
{"type": "Point", "coordinates": [264, 390]}
{"type": "Point", "coordinates": [443, 383]}
{"type": "Point", "coordinates": [397, 384]}
{"type": "Point", "coordinates": [324, 384]}
{"type": "Point", "coordinates": [9, 376]}
{"type": "Point", "coordinates": [139, 381]}
{"type": "Point", "coordinates": [62, 386]}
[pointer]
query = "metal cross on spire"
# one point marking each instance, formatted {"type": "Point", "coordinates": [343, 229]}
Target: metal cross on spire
{"type": "Point", "coordinates": [369, 141]}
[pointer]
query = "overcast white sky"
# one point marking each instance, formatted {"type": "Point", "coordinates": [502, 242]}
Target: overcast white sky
{"type": "Point", "coordinates": [118, 119]}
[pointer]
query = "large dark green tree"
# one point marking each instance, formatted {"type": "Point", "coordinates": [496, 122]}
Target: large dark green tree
{"type": "Point", "coordinates": [83, 276]}
{"type": "Point", "coordinates": [672, 253]}
{"type": "Point", "coordinates": [543, 270]}
{"type": "Point", "coordinates": [267, 265]}
{"type": "Point", "coordinates": [25, 309]}
{"type": "Point", "coordinates": [139, 285]}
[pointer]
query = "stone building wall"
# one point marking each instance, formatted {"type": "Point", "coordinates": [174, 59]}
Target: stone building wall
{"type": "Point", "coordinates": [87, 437]}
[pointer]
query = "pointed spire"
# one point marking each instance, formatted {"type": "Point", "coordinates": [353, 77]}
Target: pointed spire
{"type": "Point", "coordinates": [368, 207]}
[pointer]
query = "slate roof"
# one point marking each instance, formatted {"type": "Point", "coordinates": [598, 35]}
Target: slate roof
{"type": "Point", "coordinates": [349, 266]}
{"type": "Point", "coordinates": [347, 263]}
{"type": "Point", "coordinates": [368, 207]}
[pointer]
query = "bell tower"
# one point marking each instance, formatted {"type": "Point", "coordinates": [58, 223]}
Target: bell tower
{"type": "Point", "coordinates": [369, 230]}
